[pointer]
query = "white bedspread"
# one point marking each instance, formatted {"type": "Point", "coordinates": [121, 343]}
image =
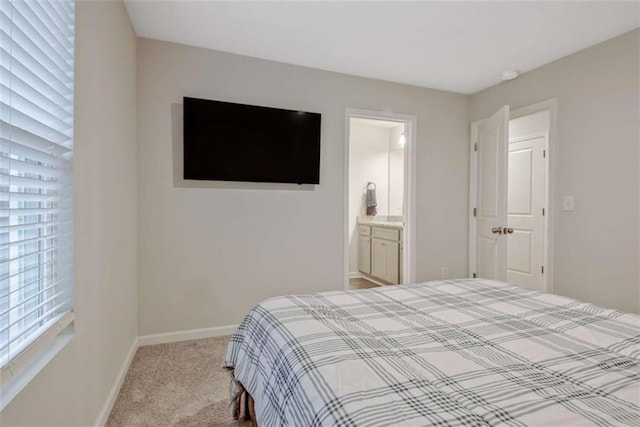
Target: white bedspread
{"type": "Point", "coordinates": [457, 352]}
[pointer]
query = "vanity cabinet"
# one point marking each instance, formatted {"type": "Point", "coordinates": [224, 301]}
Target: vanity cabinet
{"type": "Point", "coordinates": [379, 252]}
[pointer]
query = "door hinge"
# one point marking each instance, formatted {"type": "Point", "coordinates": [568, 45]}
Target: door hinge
{"type": "Point", "coordinates": [544, 153]}
{"type": "Point", "coordinates": [475, 146]}
{"type": "Point", "coordinates": [542, 268]}
{"type": "Point", "coordinates": [474, 275]}
{"type": "Point", "coordinates": [474, 212]}
{"type": "Point", "coordinates": [542, 211]}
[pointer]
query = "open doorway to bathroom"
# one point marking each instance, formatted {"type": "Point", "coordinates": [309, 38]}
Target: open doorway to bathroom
{"type": "Point", "coordinates": [379, 168]}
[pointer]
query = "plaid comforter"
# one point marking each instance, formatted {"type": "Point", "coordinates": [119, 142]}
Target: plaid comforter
{"type": "Point", "coordinates": [456, 352]}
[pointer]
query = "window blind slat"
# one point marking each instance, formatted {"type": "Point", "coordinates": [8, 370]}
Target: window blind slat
{"type": "Point", "coordinates": [55, 26]}
{"type": "Point", "coordinates": [31, 140]}
{"type": "Point", "coordinates": [29, 240]}
{"type": "Point", "coordinates": [31, 82]}
{"type": "Point", "coordinates": [33, 110]}
{"type": "Point", "coordinates": [27, 211]}
{"type": "Point", "coordinates": [12, 263]}
{"type": "Point", "coordinates": [27, 314]}
{"type": "Point", "coordinates": [25, 183]}
{"type": "Point", "coordinates": [14, 85]}
{"type": "Point", "coordinates": [21, 167]}
{"type": "Point", "coordinates": [31, 269]}
{"type": "Point", "coordinates": [28, 29]}
{"type": "Point", "coordinates": [28, 197]}
{"type": "Point", "coordinates": [32, 226]}
{"type": "Point", "coordinates": [24, 302]}
{"type": "Point", "coordinates": [24, 152]}
{"type": "Point", "coordinates": [64, 18]}
{"type": "Point", "coordinates": [23, 287]}
{"type": "Point", "coordinates": [35, 323]}
{"type": "Point", "coordinates": [32, 42]}
{"type": "Point", "coordinates": [23, 121]}
{"type": "Point", "coordinates": [62, 45]}
{"type": "Point", "coordinates": [21, 57]}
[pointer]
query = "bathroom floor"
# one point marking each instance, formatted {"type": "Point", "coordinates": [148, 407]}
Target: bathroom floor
{"type": "Point", "coordinates": [361, 283]}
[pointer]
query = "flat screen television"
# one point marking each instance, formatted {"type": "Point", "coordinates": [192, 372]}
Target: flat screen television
{"type": "Point", "coordinates": [224, 141]}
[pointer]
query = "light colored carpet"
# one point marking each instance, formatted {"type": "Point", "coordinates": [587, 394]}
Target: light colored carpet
{"type": "Point", "coordinates": [177, 384]}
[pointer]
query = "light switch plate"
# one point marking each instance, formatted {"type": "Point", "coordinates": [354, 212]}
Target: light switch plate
{"type": "Point", "coordinates": [568, 204]}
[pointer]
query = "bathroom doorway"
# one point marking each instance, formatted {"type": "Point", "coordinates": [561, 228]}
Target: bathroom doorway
{"type": "Point", "coordinates": [378, 219]}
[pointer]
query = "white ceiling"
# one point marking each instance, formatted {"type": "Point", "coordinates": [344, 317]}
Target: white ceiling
{"type": "Point", "coordinates": [457, 46]}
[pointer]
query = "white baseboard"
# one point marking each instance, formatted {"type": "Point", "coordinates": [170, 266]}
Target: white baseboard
{"type": "Point", "coordinates": [355, 275]}
{"type": "Point", "coordinates": [103, 416]}
{"type": "Point", "coordinates": [193, 334]}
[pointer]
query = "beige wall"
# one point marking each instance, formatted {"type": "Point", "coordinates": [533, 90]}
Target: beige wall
{"type": "Point", "coordinates": [207, 255]}
{"type": "Point", "coordinates": [73, 387]}
{"type": "Point", "coordinates": [596, 246]}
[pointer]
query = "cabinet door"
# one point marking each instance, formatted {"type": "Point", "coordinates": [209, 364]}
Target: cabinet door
{"type": "Point", "coordinates": [393, 262]}
{"type": "Point", "coordinates": [379, 258]}
{"type": "Point", "coordinates": [364, 254]}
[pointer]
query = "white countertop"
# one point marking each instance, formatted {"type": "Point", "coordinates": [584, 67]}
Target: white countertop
{"type": "Point", "coordinates": [381, 221]}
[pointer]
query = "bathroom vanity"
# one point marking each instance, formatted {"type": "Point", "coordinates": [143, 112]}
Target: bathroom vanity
{"type": "Point", "coordinates": [380, 251]}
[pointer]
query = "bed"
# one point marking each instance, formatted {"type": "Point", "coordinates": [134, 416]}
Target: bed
{"type": "Point", "coordinates": [457, 353]}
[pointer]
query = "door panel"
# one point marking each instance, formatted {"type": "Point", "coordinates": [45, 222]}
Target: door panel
{"type": "Point", "coordinates": [487, 258]}
{"type": "Point", "coordinates": [491, 195]}
{"type": "Point", "coordinates": [527, 184]}
{"type": "Point", "coordinates": [520, 181]}
{"type": "Point", "coordinates": [520, 251]}
{"type": "Point", "coordinates": [364, 254]}
{"type": "Point", "coordinates": [393, 260]}
{"type": "Point", "coordinates": [378, 258]}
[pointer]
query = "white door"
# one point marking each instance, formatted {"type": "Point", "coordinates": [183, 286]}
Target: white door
{"type": "Point", "coordinates": [491, 195]}
{"type": "Point", "coordinates": [526, 195]}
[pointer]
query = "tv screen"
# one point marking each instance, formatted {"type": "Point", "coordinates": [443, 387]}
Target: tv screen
{"type": "Point", "coordinates": [224, 141]}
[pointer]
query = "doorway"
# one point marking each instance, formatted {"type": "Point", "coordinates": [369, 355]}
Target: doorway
{"type": "Point", "coordinates": [511, 182]}
{"type": "Point", "coordinates": [378, 216]}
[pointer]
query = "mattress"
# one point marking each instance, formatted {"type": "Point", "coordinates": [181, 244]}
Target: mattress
{"type": "Point", "coordinates": [456, 352]}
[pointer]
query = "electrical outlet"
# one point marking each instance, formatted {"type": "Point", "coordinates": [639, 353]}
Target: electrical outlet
{"type": "Point", "coordinates": [444, 272]}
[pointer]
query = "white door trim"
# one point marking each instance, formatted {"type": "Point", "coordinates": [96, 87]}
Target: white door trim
{"type": "Point", "coordinates": [552, 106]}
{"type": "Point", "coordinates": [408, 236]}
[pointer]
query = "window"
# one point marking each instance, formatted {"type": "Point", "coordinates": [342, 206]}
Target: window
{"type": "Point", "coordinates": [36, 147]}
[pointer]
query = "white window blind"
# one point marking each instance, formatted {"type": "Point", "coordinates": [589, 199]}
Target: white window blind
{"type": "Point", "coordinates": [36, 147]}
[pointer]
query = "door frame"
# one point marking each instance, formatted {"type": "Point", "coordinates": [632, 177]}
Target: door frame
{"type": "Point", "coordinates": [552, 106]}
{"type": "Point", "coordinates": [408, 209]}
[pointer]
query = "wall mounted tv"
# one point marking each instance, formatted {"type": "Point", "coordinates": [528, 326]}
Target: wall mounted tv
{"type": "Point", "coordinates": [224, 141]}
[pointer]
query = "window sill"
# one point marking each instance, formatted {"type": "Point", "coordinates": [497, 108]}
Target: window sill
{"type": "Point", "coordinates": [19, 372]}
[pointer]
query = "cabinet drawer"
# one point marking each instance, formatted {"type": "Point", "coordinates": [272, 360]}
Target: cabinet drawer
{"type": "Point", "coordinates": [386, 233]}
{"type": "Point", "coordinates": [364, 230]}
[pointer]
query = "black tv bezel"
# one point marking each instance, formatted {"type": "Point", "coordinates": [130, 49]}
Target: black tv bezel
{"type": "Point", "coordinates": [314, 181]}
